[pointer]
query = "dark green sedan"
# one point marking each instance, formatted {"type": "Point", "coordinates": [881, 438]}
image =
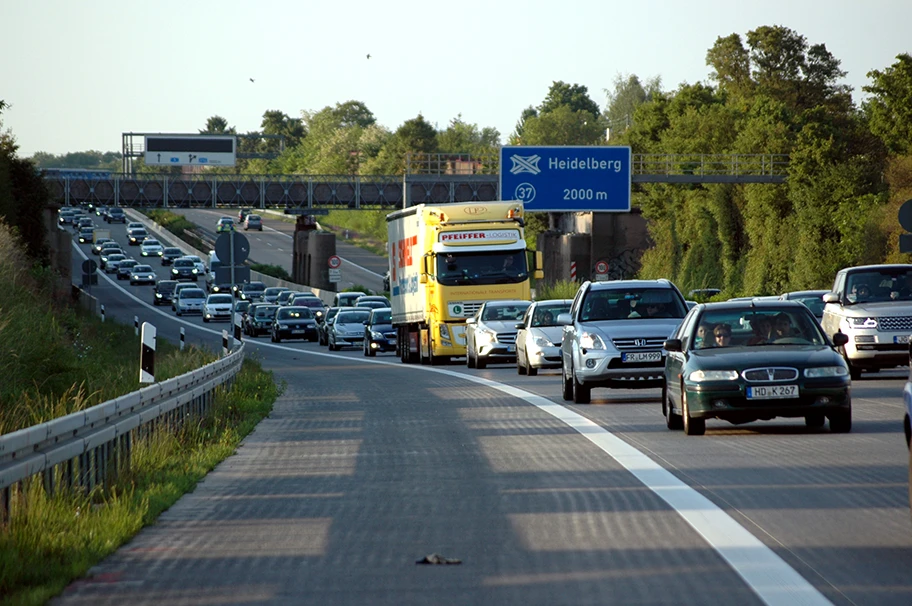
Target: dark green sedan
{"type": "Point", "coordinates": [744, 361]}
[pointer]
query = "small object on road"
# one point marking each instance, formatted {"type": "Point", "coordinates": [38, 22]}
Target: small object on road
{"type": "Point", "coordinates": [435, 558]}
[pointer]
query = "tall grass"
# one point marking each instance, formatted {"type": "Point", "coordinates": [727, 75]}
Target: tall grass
{"type": "Point", "coordinates": [563, 289]}
{"type": "Point", "coordinates": [57, 538]}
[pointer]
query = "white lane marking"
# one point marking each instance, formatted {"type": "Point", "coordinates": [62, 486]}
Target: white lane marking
{"type": "Point", "coordinates": [769, 576]}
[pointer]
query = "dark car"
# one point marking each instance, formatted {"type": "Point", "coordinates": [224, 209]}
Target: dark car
{"type": "Point", "coordinates": [86, 234]}
{"type": "Point", "coordinates": [116, 215]}
{"type": "Point", "coordinates": [252, 291]}
{"type": "Point", "coordinates": [491, 332]}
{"type": "Point", "coordinates": [163, 292]}
{"type": "Point", "coordinates": [184, 269]}
{"type": "Point", "coordinates": [170, 254]}
{"type": "Point", "coordinates": [315, 304]}
{"type": "Point", "coordinates": [812, 298]}
{"type": "Point", "coordinates": [97, 245]}
{"type": "Point", "coordinates": [260, 318]}
{"type": "Point", "coordinates": [293, 322]}
{"type": "Point", "coordinates": [272, 293]}
{"type": "Point", "coordinates": [372, 301]}
{"type": "Point", "coordinates": [379, 334]}
{"type": "Point", "coordinates": [225, 288]}
{"type": "Point", "coordinates": [125, 268]}
{"type": "Point", "coordinates": [746, 361]}
{"type": "Point", "coordinates": [284, 296]}
{"type": "Point", "coordinates": [137, 236]}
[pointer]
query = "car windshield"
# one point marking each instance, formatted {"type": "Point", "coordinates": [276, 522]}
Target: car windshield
{"type": "Point", "coordinates": [172, 251]}
{"type": "Point", "coordinates": [382, 317]}
{"type": "Point", "coordinates": [273, 290]}
{"type": "Point", "coordinates": [142, 268]}
{"type": "Point", "coordinates": [352, 317]}
{"type": "Point", "coordinates": [496, 313]}
{"type": "Point", "coordinates": [879, 286]}
{"type": "Point", "coordinates": [815, 304]}
{"type": "Point", "coordinates": [617, 304]}
{"type": "Point", "coordinates": [546, 315]}
{"type": "Point", "coordinates": [349, 298]}
{"type": "Point", "coordinates": [265, 312]}
{"type": "Point", "coordinates": [165, 286]}
{"type": "Point", "coordinates": [489, 267]}
{"type": "Point", "coordinates": [221, 299]}
{"type": "Point", "coordinates": [313, 302]}
{"type": "Point", "coordinates": [183, 263]}
{"type": "Point", "coordinates": [254, 287]}
{"type": "Point", "coordinates": [192, 293]}
{"type": "Point", "coordinates": [295, 313]}
{"type": "Point", "coordinates": [756, 327]}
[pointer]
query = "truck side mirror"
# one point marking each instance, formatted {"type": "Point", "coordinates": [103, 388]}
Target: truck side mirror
{"type": "Point", "coordinates": [423, 276]}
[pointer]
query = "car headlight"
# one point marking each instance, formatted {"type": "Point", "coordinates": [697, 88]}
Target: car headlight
{"type": "Point", "coordinates": [699, 376]}
{"type": "Point", "coordinates": [283, 326]}
{"type": "Point", "coordinates": [175, 271]}
{"type": "Point", "coordinates": [158, 295]}
{"type": "Point", "coordinates": [376, 335]}
{"type": "Point", "coordinates": [825, 371]}
{"type": "Point", "coordinates": [485, 335]}
{"type": "Point", "coordinates": [194, 270]}
{"type": "Point", "coordinates": [862, 322]}
{"type": "Point", "coordinates": [591, 340]}
{"type": "Point", "coordinates": [542, 342]}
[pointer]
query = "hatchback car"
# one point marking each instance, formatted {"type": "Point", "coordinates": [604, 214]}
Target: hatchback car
{"type": "Point", "coordinates": [198, 263]}
{"type": "Point", "coordinates": [189, 300]}
{"type": "Point", "coordinates": [293, 322]}
{"type": "Point", "coordinates": [224, 288]}
{"type": "Point", "coordinates": [184, 269]}
{"type": "Point", "coordinates": [125, 268]}
{"type": "Point", "coordinates": [253, 222]}
{"type": "Point", "coordinates": [750, 361]}
{"type": "Point", "coordinates": [347, 329]}
{"type": "Point", "coordinates": [109, 262]}
{"type": "Point", "coordinates": [326, 323]}
{"type": "Point", "coordinates": [538, 336]}
{"type": "Point", "coordinates": [218, 307]}
{"type": "Point", "coordinates": [137, 236]}
{"type": "Point", "coordinates": [85, 235]}
{"type": "Point", "coordinates": [163, 292]}
{"type": "Point", "coordinates": [284, 297]}
{"type": "Point", "coordinates": [141, 274]}
{"type": "Point", "coordinates": [252, 291]}
{"type": "Point", "coordinates": [170, 254]}
{"type": "Point", "coordinates": [379, 334]}
{"type": "Point", "coordinates": [151, 248]}
{"type": "Point", "coordinates": [315, 304]}
{"type": "Point", "coordinates": [116, 215]}
{"type": "Point", "coordinates": [110, 248]}
{"type": "Point", "coordinates": [225, 224]}
{"type": "Point", "coordinates": [613, 335]}
{"type": "Point", "coordinates": [96, 246]}
{"type": "Point", "coordinates": [259, 319]}
{"type": "Point", "coordinates": [491, 332]}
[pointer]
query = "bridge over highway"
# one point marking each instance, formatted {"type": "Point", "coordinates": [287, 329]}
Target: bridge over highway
{"type": "Point", "coordinates": [436, 179]}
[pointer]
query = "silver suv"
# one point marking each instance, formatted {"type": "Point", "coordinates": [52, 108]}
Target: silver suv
{"type": "Point", "coordinates": [614, 333]}
{"type": "Point", "coordinates": [872, 305]}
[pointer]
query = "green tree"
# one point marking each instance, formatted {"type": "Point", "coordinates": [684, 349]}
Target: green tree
{"type": "Point", "coordinates": [463, 138]}
{"type": "Point", "coordinates": [217, 125]}
{"type": "Point", "coordinates": [415, 137]}
{"type": "Point", "coordinates": [627, 94]}
{"type": "Point", "coordinates": [889, 108]}
{"type": "Point", "coordinates": [574, 96]}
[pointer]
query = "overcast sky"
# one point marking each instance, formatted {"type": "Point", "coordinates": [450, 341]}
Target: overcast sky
{"type": "Point", "coordinates": [79, 74]}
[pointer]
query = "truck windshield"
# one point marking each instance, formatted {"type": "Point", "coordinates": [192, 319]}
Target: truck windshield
{"type": "Point", "coordinates": [488, 267]}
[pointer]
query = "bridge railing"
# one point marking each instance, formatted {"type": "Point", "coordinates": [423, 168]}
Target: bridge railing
{"type": "Point", "coordinates": [88, 448]}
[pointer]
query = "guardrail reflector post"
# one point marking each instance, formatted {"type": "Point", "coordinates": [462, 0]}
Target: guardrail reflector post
{"type": "Point", "coordinates": [182, 339]}
{"type": "Point", "coordinates": [224, 342]}
{"type": "Point", "coordinates": [147, 354]}
{"type": "Point", "coordinates": [136, 325]}
{"type": "Point", "coordinates": [237, 327]}
{"type": "Point", "coordinates": [102, 313]}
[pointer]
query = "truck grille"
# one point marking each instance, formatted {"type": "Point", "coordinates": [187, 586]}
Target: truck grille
{"type": "Point", "coordinates": [645, 343]}
{"type": "Point", "coordinates": [893, 323]}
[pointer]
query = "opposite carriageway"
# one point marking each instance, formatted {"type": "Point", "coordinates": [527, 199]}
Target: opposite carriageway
{"type": "Point", "coordinates": [435, 179]}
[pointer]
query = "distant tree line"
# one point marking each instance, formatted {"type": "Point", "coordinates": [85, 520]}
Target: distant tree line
{"type": "Point", "coordinates": [770, 91]}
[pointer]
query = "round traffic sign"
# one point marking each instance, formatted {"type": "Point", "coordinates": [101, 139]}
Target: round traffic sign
{"type": "Point", "coordinates": [89, 266]}
{"type": "Point", "coordinates": [334, 262]}
{"type": "Point", "coordinates": [601, 267]}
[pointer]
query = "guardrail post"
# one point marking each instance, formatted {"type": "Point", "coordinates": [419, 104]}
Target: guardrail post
{"type": "Point", "coordinates": [136, 325]}
{"type": "Point", "coordinates": [102, 313]}
{"type": "Point", "coordinates": [183, 338]}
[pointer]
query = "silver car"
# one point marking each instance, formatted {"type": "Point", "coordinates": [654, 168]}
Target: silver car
{"type": "Point", "coordinates": [189, 301]}
{"type": "Point", "coordinates": [347, 329]}
{"type": "Point", "coordinates": [151, 248]}
{"type": "Point", "coordinates": [218, 307]}
{"type": "Point", "coordinates": [491, 332]}
{"type": "Point", "coordinates": [538, 336]}
{"type": "Point", "coordinates": [614, 335]}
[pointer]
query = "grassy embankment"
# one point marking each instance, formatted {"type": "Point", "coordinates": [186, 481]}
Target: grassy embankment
{"type": "Point", "coordinates": [56, 360]}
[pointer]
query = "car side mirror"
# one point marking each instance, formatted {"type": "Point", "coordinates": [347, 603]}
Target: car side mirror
{"type": "Point", "coordinates": [831, 297]}
{"type": "Point", "coordinates": [672, 345]}
{"type": "Point", "coordinates": [519, 326]}
{"type": "Point", "coordinates": [564, 320]}
{"type": "Point", "coordinates": [840, 339]}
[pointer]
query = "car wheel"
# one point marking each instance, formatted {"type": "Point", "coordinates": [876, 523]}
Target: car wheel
{"type": "Point", "coordinates": [276, 338]}
{"type": "Point", "coordinates": [692, 426]}
{"type": "Point", "coordinates": [480, 362]}
{"type": "Point", "coordinates": [815, 420]}
{"type": "Point", "coordinates": [205, 319]}
{"type": "Point", "coordinates": [530, 370]}
{"type": "Point", "coordinates": [178, 312]}
{"type": "Point", "coordinates": [581, 393]}
{"type": "Point", "coordinates": [854, 372]}
{"type": "Point", "coordinates": [566, 384]}
{"type": "Point", "coordinates": [841, 421]}
{"type": "Point", "coordinates": [332, 347]}
{"type": "Point", "coordinates": [470, 361]}
{"type": "Point", "coordinates": [672, 421]}
{"type": "Point", "coordinates": [520, 369]}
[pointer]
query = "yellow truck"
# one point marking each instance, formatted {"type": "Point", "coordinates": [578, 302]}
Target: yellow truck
{"type": "Point", "coordinates": [445, 261]}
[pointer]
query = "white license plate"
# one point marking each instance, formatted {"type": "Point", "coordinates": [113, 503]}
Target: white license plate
{"type": "Point", "coordinates": [642, 356]}
{"type": "Point", "coordinates": [901, 339]}
{"type": "Point", "coordinates": [769, 392]}
{"type": "Point", "coordinates": [511, 348]}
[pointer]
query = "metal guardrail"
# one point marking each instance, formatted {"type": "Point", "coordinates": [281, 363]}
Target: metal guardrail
{"type": "Point", "coordinates": [84, 449]}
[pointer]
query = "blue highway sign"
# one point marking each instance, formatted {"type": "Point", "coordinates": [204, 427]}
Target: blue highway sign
{"type": "Point", "coordinates": [566, 179]}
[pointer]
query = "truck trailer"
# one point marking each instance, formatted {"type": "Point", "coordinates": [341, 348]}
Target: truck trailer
{"type": "Point", "coordinates": [446, 260]}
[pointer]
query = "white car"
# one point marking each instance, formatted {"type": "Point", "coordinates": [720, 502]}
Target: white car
{"type": "Point", "coordinates": [143, 274]}
{"type": "Point", "coordinates": [218, 307]}
{"type": "Point", "coordinates": [538, 339]}
{"type": "Point", "coordinates": [189, 300]}
{"type": "Point", "coordinates": [151, 248]}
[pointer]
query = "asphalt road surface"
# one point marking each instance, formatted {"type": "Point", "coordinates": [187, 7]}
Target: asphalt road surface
{"type": "Point", "coordinates": [366, 466]}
